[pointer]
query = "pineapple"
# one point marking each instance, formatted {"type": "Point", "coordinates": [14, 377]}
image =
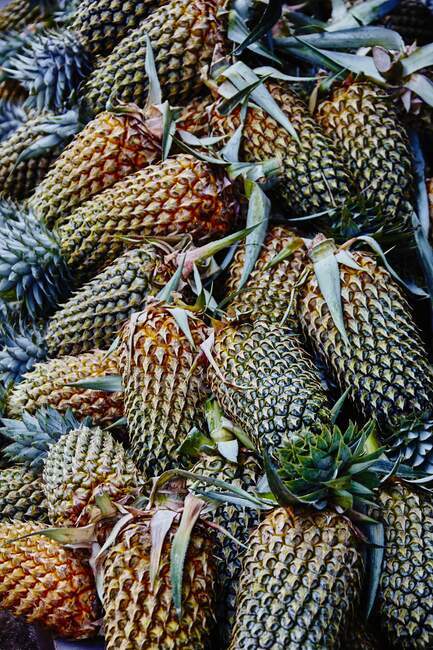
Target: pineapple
{"type": "Point", "coordinates": [18, 14]}
{"type": "Point", "coordinates": [44, 583]}
{"type": "Point", "coordinates": [268, 293]}
{"type": "Point", "coordinates": [406, 583]}
{"type": "Point", "coordinates": [27, 154]}
{"type": "Point", "coordinates": [93, 316]}
{"type": "Point", "coordinates": [163, 373]}
{"type": "Point", "coordinates": [113, 145]}
{"type": "Point", "coordinates": [183, 36]}
{"type": "Point", "coordinates": [362, 120]}
{"type": "Point", "coordinates": [180, 195]}
{"type": "Point", "coordinates": [49, 384]}
{"type": "Point", "coordinates": [266, 383]}
{"type": "Point", "coordinates": [22, 496]}
{"type": "Point", "coordinates": [384, 365]}
{"type": "Point", "coordinates": [313, 173]}
{"type": "Point", "coordinates": [413, 20]}
{"type": "Point", "coordinates": [194, 117]}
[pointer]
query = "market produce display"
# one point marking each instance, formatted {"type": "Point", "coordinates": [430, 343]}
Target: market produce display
{"type": "Point", "coordinates": [216, 324]}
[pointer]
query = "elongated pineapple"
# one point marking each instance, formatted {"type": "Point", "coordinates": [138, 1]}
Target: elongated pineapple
{"type": "Point", "coordinates": [180, 195]}
{"type": "Point", "coordinates": [384, 365]}
{"type": "Point", "coordinates": [45, 583]}
{"type": "Point", "coordinates": [163, 374]}
{"type": "Point", "coordinates": [21, 495]}
{"type": "Point", "coordinates": [266, 382]}
{"type": "Point", "coordinates": [113, 145]}
{"type": "Point", "coordinates": [49, 384]}
{"type": "Point", "coordinates": [93, 317]}
{"type": "Point", "coordinates": [183, 36]}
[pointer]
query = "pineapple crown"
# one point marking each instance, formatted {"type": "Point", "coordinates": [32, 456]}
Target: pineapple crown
{"type": "Point", "coordinates": [50, 66]}
{"type": "Point", "coordinates": [11, 117]}
{"type": "Point", "coordinates": [32, 270]}
{"type": "Point", "coordinates": [33, 435]}
{"type": "Point", "coordinates": [22, 347]}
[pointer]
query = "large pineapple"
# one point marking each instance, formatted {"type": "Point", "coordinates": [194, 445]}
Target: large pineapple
{"type": "Point", "coordinates": [266, 382]}
{"type": "Point", "coordinates": [362, 119]}
{"type": "Point", "coordinates": [183, 36]}
{"type": "Point", "coordinates": [163, 373]}
{"type": "Point", "coordinates": [113, 145]}
{"type": "Point", "coordinates": [94, 315]}
{"type": "Point", "coordinates": [268, 292]}
{"type": "Point", "coordinates": [49, 384]}
{"type": "Point", "coordinates": [44, 583]}
{"type": "Point", "coordinates": [22, 496]}
{"type": "Point", "coordinates": [180, 195]}
{"type": "Point", "coordinates": [383, 364]}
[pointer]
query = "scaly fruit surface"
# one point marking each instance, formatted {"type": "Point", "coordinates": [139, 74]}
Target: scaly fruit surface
{"type": "Point", "coordinates": [18, 14]}
{"type": "Point", "coordinates": [300, 583]}
{"type": "Point", "coordinates": [194, 117]}
{"type": "Point", "coordinates": [239, 522]}
{"type": "Point", "coordinates": [164, 383]}
{"type": "Point", "coordinates": [385, 365]}
{"type": "Point", "coordinates": [412, 20]}
{"type": "Point", "coordinates": [21, 495]}
{"type": "Point", "coordinates": [267, 384]}
{"type": "Point", "coordinates": [113, 145]}
{"type": "Point", "coordinates": [313, 173]}
{"type": "Point", "coordinates": [406, 583]}
{"type": "Point", "coordinates": [45, 583]}
{"type": "Point", "coordinates": [183, 36]}
{"type": "Point", "coordinates": [268, 293]}
{"type": "Point", "coordinates": [180, 195]}
{"type": "Point", "coordinates": [48, 384]}
{"type": "Point", "coordinates": [93, 317]}
{"type": "Point", "coordinates": [362, 119]}
{"type": "Point", "coordinates": [83, 464]}
{"type": "Point", "coordinates": [138, 615]}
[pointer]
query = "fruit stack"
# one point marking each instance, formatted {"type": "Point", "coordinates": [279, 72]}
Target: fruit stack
{"type": "Point", "coordinates": [216, 290]}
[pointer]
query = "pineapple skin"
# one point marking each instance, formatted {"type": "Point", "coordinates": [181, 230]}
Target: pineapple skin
{"type": "Point", "coordinates": [164, 384]}
{"type": "Point", "coordinates": [364, 122]}
{"type": "Point", "coordinates": [47, 385]}
{"type": "Point", "coordinates": [93, 317]}
{"type": "Point", "coordinates": [267, 293]}
{"type": "Point", "coordinates": [180, 195]}
{"type": "Point", "coordinates": [110, 147]}
{"type": "Point", "coordinates": [314, 176]}
{"type": "Point", "coordinates": [18, 14]}
{"type": "Point", "coordinates": [194, 117]}
{"type": "Point", "coordinates": [138, 617]}
{"type": "Point", "coordinates": [45, 583]}
{"type": "Point", "coordinates": [81, 465]}
{"type": "Point", "coordinates": [21, 495]}
{"type": "Point", "coordinates": [413, 20]}
{"type": "Point", "coordinates": [385, 367]}
{"type": "Point", "coordinates": [239, 522]}
{"type": "Point", "coordinates": [406, 584]}
{"type": "Point", "coordinates": [183, 36]}
{"type": "Point", "coordinates": [300, 583]}
{"type": "Point", "coordinates": [271, 387]}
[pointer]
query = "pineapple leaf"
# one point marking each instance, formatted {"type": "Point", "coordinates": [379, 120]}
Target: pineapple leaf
{"type": "Point", "coordinates": [154, 97]}
{"type": "Point", "coordinates": [181, 317]}
{"type": "Point", "coordinates": [362, 14]}
{"type": "Point", "coordinates": [374, 559]}
{"type": "Point", "coordinates": [277, 486]}
{"type": "Point", "coordinates": [194, 443]}
{"type": "Point", "coordinates": [166, 293]}
{"type": "Point", "coordinates": [421, 58]}
{"type": "Point", "coordinates": [238, 32]}
{"type": "Point", "coordinates": [346, 39]}
{"type": "Point", "coordinates": [336, 409]}
{"type": "Point", "coordinates": [271, 15]}
{"type": "Point", "coordinates": [108, 383]}
{"type": "Point", "coordinates": [421, 86]}
{"type": "Point", "coordinates": [259, 208]}
{"type": "Point", "coordinates": [160, 524]}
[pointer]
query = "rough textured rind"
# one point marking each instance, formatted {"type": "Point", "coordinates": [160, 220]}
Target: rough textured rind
{"type": "Point", "coordinates": [138, 617]}
{"type": "Point", "coordinates": [18, 14]}
{"type": "Point", "coordinates": [183, 36]}
{"type": "Point", "coordinates": [93, 317]}
{"type": "Point", "coordinates": [180, 195]}
{"type": "Point", "coordinates": [194, 117]}
{"type": "Point", "coordinates": [300, 583]}
{"type": "Point", "coordinates": [164, 383]}
{"type": "Point", "coordinates": [412, 20]}
{"type": "Point", "coordinates": [406, 585]}
{"type": "Point", "coordinates": [81, 465]}
{"type": "Point", "coordinates": [110, 147]}
{"type": "Point", "coordinates": [268, 293]}
{"type": "Point", "coordinates": [48, 385]}
{"type": "Point", "coordinates": [46, 583]}
{"type": "Point", "coordinates": [269, 385]}
{"type": "Point", "coordinates": [314, 176]}
{"type": "Point", "coordinates": [363, 120]}
{"type": "Point", "coordinates": [239, 522]}
{"type": "Point", "coordinates": [21, 495]}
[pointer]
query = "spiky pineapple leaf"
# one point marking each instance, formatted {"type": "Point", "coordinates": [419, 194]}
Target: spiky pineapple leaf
{"type": "Point", "coordinates": [108, 383]}
{"type": "Point", "coordinates": [271, 15]}
{"type": "Point", "coordinates": [259, 208]}
{"type": "Point", "coordinates": [238, 32]}
{"type": "Point", "coordinates": [346, 39]}
{"type": "Point", "coordinates": [364, 13]}
{"type": "Point", "coordinates": [160, 524]}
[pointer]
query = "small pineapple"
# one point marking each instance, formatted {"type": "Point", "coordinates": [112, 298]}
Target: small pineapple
{"type": "Point", "coordinates": [44, 583]}
{"type": "Point", "coordinates": [49, 384]}
{"type": "Point", "coordinates": [22, 495]}
{"type": "Point", "coordinates": [163, 373]}
{"type": "Point", "coordinates": [113, 145]}
{"type": "Point", "coordinates": [180, 195]}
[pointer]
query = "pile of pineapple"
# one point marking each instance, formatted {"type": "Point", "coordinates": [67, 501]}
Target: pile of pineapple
{"type": "Point", "coordinates": [216, 290]}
